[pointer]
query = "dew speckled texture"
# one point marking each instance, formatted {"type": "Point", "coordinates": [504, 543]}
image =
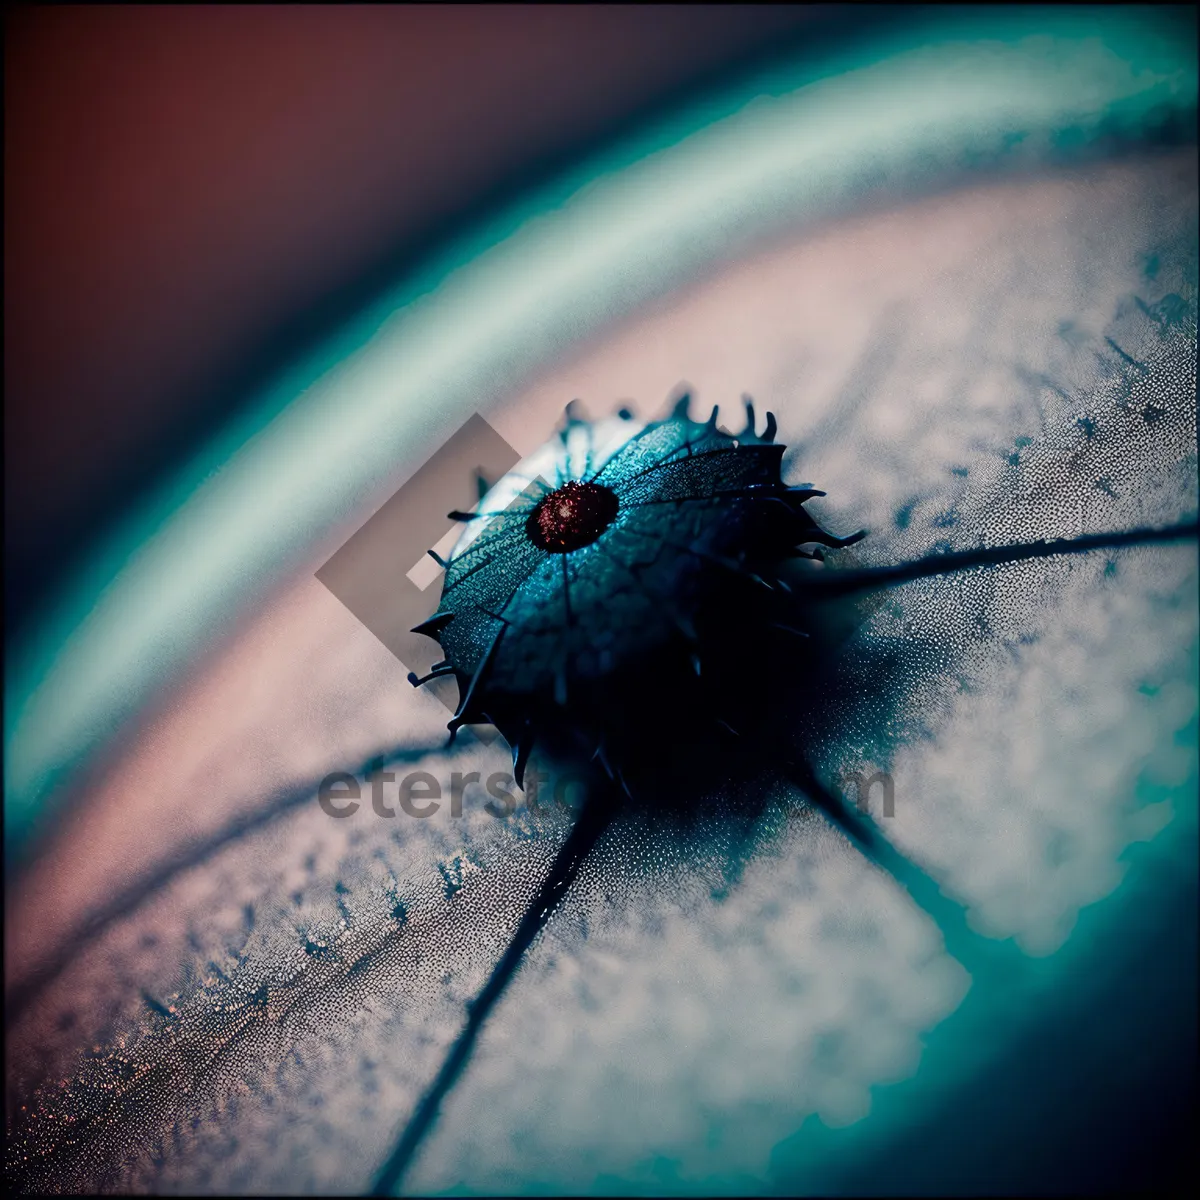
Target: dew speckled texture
{"type": "Point", "coordinates": [793, 989]}
{"type": "Point", "coordinates": [1013, 362]}
{"type": "Point", "coordinates": [291, 1000]}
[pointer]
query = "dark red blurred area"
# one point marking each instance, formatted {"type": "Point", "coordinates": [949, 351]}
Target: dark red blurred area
{"type": "Point", "coordinates": [193, 193]}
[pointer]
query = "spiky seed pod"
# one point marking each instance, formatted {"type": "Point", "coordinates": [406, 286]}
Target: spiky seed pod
{"type": "Point", "coordinates": [581, 603]}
